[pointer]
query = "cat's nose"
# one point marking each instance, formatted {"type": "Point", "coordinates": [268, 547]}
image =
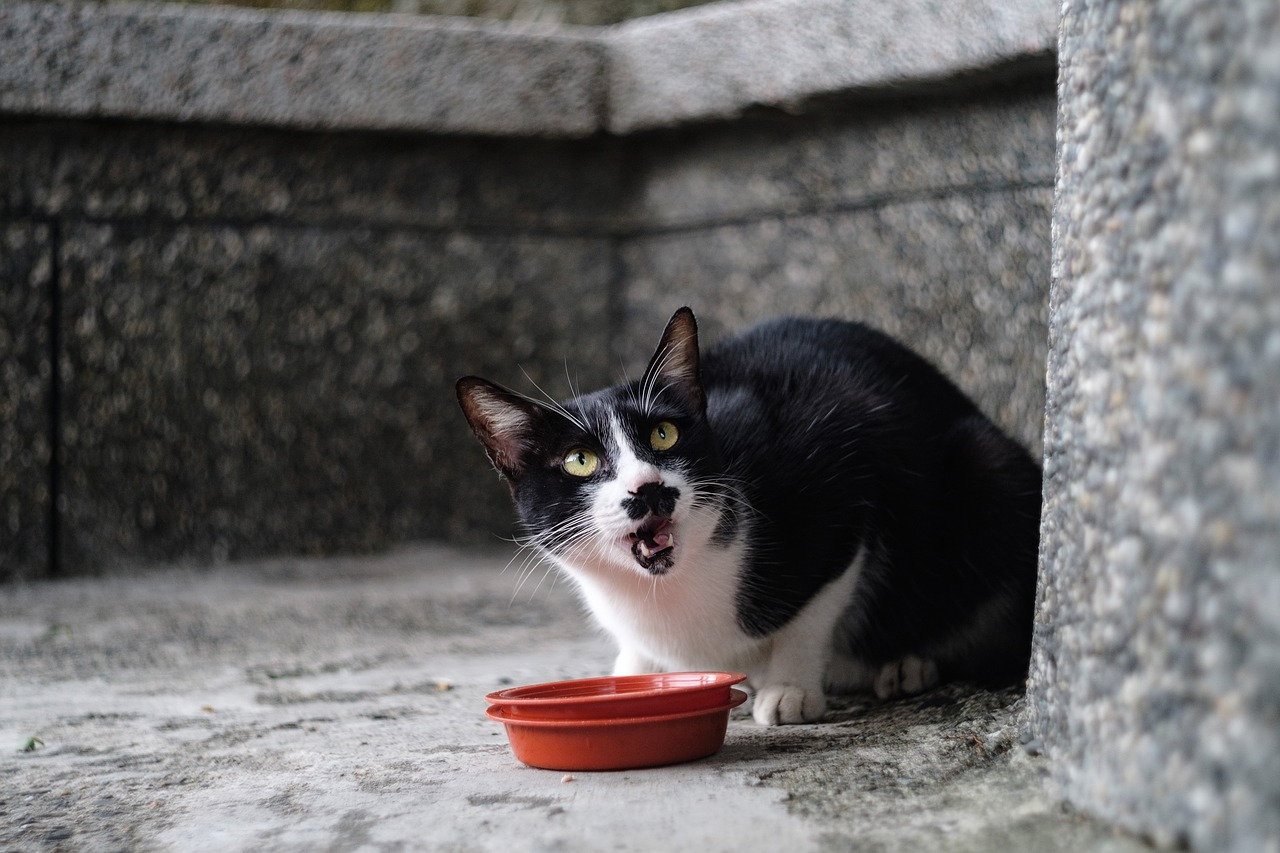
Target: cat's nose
{"type": "Point", "coordinates": [653, 498]}
{"type": "Point", "coordinates": [649, 491]}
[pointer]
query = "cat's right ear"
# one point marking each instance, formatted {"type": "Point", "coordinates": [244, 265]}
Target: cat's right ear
{"type": "Point", "coordinates": [502, 420]}
{"type": "Point", "coordinates": [675, 364]}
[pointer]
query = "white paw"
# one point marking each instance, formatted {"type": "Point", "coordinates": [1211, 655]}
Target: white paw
{"type": "Point", "coordinates": [632, 662]}
{"type": "Point", "coordinates": [905, 677]}
{"type": "Point", "coordinates": [782, 704]}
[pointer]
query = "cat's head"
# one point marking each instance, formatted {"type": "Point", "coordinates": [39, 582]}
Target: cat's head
{"type": "Point", "coordinates": [623, 478]}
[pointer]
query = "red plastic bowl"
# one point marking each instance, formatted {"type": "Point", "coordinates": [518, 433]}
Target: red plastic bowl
{"type": "Point", "coordinates": [617, 696]}
{"type": "Point", "coordinates": [621, 743]}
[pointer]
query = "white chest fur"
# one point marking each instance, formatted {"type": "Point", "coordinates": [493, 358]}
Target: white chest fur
{"type": "Point", "coordinates": [686, 619]}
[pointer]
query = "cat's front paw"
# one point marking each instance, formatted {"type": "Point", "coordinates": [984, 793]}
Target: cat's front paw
{"type": "Point", "coordinates": [906, 677]}
{"type": "Point", "coordinates": [632, 662]}
{"type": "Point", "coordinates": [783, 704]}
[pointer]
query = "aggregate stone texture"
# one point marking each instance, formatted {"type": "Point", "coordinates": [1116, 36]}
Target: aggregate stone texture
{"type": "Point", "coordinates": [851, 156]}
{"type": "Point", "coordinates": [1155, 682]}
{"type": "Point", "coordinates": [26, 377]}
{"type": "Point", "coordinates": [26, 161]}
{"type": "Point", "coordinates": [184, 172]}
{"type": "Point", "coordinates": [236, 390]}
{"type": "Point", "coordinates": [961, 279]}
{"type": "Point", "coordinates": [721, 60]}
{"type": "Point", "coordinates": [338, 705]}
{"type": "Point", "coordinates": [311, 70]}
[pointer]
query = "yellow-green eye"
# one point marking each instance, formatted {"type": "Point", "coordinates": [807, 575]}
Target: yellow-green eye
{"type": "Point", "coordinates": [664, 436]}
{"type": "Point", "coordinates": [580, 462]}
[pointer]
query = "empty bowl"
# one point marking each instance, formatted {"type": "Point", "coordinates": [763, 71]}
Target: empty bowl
{"type": "Point", "coordinates": [615, 697]}
{"type": "Point", "coordinates": [617, 743]}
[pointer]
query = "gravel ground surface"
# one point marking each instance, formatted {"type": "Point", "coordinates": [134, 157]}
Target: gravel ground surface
{"type": "Point", "coordinates": [338, 705]}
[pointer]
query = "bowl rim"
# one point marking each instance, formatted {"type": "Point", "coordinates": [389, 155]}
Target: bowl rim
{"type": "Point", "coordinates": [497, 712]}
{"type": "Point", "coordinates": [505, 697]}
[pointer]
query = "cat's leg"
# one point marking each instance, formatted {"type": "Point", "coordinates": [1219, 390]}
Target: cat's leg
{"type": "Point", "coordinates": [632, 661]}
{"type": "Point", "coordinates": [793, 697]}
{"type": "Point", "coordinates": [791, 690]}
{"type": "Point", "coordinates": [847, 674]}
{"type": "Point", "coordinates": [906, 677]}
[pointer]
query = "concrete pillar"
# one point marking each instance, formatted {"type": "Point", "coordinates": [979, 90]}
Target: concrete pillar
{"type": "Point", "coordinates": [1155, 684]}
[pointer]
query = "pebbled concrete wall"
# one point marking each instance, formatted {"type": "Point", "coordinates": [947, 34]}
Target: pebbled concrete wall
{"type": "Point", "coordinates": [236, 302]}
{"type": "Point", "coordinates": [1155, 685]}
{"type": "Point", "coordinates": [26, 378]}
{"type": "Point", "coordinates": [257, 332]}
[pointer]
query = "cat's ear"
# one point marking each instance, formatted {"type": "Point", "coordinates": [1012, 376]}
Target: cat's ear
{"type": "Point", "coordinates": [502, 420]}
{"type": "Point", "coordinates": [675, 363]}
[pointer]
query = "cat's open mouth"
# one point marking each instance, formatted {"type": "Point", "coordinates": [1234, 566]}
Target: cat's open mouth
{"type": "Point", "coordinates": [653, 544]}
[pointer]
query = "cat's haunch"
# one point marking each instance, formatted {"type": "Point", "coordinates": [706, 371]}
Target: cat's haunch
{"type": "Point", "coordinates": [809, 502]}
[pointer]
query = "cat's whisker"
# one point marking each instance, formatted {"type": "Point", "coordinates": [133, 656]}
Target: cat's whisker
{"type": "Point", "coordinates": [550, 571]}
{"type": "Point", "coordinates": [533, 560]}
{"type": "Point", "coordinates": [556, 539]}
{"type": "Point", "coordinates": [551, 403]}
{"type": "Point", "coordinates": [630, 388]}
{"type": "Point", "coordinates": [530, 558]}
{"type": "Point", "coordinates": [523, 544]}
{"type": "Point", "coordinates": [573, 391]}
{"type": "Point", "coordinates": [539, 548]}
{"type": "Point", "coordinates": [658, 368]}
{"type": "Point", "coordinates": [652, 397]}
{"type": "Point", "coordinates": [727, 491]}
{"type": "Point", "coordinates": [721, 484]}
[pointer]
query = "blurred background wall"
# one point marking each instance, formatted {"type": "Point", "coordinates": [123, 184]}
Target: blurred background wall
{"type": "Point", "coordinates": [248, 253]}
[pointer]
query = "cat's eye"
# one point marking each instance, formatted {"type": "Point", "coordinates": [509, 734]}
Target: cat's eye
{"type": "Point", "coordinates": [580, 462]}
{"type": "Point", "coordinates": [664, 436]}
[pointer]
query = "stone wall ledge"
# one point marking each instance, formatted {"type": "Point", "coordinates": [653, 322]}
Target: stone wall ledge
{"type": "Point", "coordinates": [718, 61]}
{"type": "Point", "coordinates": [329, 71]}
{"type": "Point", "coordinates": [338, 71]}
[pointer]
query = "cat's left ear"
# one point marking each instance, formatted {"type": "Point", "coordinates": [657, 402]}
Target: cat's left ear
{"type": "Point", "coordinates": [675, 364]}
{"type": "Point", "coordinates": [502, 420]}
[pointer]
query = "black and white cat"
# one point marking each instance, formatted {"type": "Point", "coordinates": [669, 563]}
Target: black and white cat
{"type": "Point", "coordinates": [809, 503]}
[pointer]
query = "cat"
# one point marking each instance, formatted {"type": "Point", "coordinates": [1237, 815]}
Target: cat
{"type": "Point", "coordinates": [809, 503]}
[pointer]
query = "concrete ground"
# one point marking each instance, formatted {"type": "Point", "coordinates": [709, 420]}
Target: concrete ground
{"type": "Point", "coordinates": [338, 705]}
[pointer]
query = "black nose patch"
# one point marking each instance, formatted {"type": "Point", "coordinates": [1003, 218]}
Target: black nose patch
{"type": "Point", "coordinates": [651, 498]}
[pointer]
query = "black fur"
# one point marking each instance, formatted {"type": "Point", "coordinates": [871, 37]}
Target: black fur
{"type": "Point", "coordinates": [838, 438]}
{"type": "Point", "coordinates": [843, 437]}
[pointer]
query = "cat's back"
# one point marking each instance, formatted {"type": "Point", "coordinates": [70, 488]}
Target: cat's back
{"type": "Point", "coordinates": [799, 362]}
{"type": "Point", "coordinates": [840, 437]}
